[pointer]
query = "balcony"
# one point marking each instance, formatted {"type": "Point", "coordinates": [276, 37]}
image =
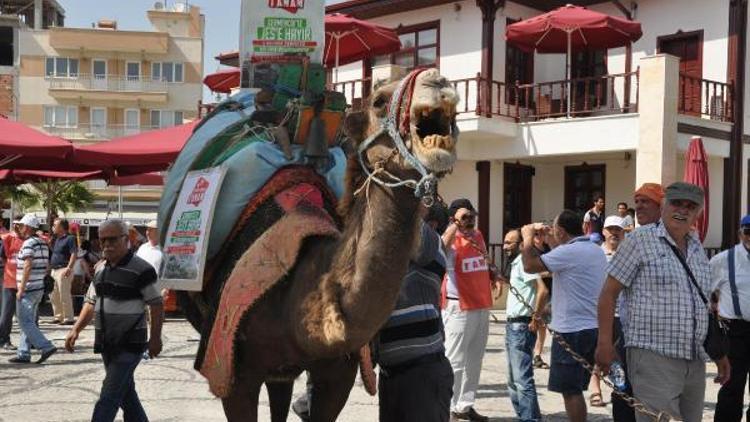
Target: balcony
{"type": "Point", "coordinates": [705, 98]}
{"type": "Point", "coordinates": [83, 39]}
{"type": "Point", "coordinates": [88, 132]}
{"type": "Point", "coordinates": [117, 88]}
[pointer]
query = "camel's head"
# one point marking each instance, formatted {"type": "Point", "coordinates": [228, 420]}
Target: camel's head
{"type": "Point", "coordinates": [427, 122]}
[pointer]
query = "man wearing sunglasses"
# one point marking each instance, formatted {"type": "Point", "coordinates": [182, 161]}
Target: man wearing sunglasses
{"type": "Point", "coordinates": [466, 299]}
{"type": "Point", "coordinates": [731, 278]}
{"type": "Point", "coordinates": [117, 297]}
{"type": "Point", "coordinates": [659, 268]}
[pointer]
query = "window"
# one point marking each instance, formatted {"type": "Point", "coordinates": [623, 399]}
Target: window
{"type": "Point", "coordinates": [61, 67]}
{"type": "Point", "coordinates": [165, 118]}
{"type": "Point", "coordinates": [60, 116]}
{"type": "Point", "coordinates": [582, 184]}
{"type": "Point", "coordinates": [519, 67]}
{"type": "Point", "coordinates": [167, 71]}
{"type": "Point", "coordinates": [133, 70]}
{"type": "Point", "coordinates": [420, 47]}
{"type": "Point", "coordinates": [6, 46]}
{"type": "Point", "coordinates": [590, 64]}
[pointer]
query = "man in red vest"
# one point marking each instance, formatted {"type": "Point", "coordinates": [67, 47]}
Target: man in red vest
{"type": "Point", "coordinates": [11, 244]}
{"type": "Point", "coordinates": [466, 300]}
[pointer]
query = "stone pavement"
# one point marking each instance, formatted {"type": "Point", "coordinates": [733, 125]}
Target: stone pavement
{"type": "Point", "coordinates": [66, 387]}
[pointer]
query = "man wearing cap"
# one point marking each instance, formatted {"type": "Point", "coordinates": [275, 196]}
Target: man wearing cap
{"type": "Point", "coordinates": [11, 244]}
{"type": "Point", "coordinates": [466, 297]}
{"type": "Point", "coordinates": [32, 261]}
{"type": "Point", "coordinates": [731, 277]}
{"type": "Point", "coordinates": [62, 261]}
{"type": "Point", "coordinates": [648, 199]}
{"type": "Point", "coordinates": [667, 321]}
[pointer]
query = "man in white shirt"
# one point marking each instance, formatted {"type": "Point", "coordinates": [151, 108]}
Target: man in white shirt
{"type": "Point", "coordinates": [734, 306]}
{"type": "Point", "coordinates": [151, 250]}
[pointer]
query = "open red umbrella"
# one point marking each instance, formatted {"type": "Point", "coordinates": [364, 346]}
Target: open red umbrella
{"type": "Point", "coordinates": [149, 151]}
{"type": "Point", "coordinates": [572, 28]}
{"type": "Point", "coordinates": [19, 142]}
{"type": "Point", "coordinates": [223, 81]}
{"type": "Point", "coordinates": [15, 177]}
{"type": "Point", "coordinates": [696, 172]}
{"type": "Point", "coordinates": [146, 179]}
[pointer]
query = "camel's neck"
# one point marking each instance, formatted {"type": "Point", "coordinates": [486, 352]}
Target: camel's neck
{"type": "Point", "coordinates": [371, 261]}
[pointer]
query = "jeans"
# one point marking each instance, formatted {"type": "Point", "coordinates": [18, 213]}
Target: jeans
{"type": "Point", "coordinates": [26, 311]}
{"type": "Point", "coordinates": [7, 309]}
{"type": "Point", "coordinates": [118, 389]}
{"type": "Point", "coordinates": [519, 342]}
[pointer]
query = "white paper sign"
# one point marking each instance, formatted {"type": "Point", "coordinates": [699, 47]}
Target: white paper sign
{"type": "Point", "coordinates": [187, 237]}
{"type": "Point", "coordinates": [279, 31]}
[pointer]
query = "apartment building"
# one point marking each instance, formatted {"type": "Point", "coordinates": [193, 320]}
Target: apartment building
{"type": "Point", "coordinates": [633, 112]}
{"type": "Point", "coordinates": [94, 84]}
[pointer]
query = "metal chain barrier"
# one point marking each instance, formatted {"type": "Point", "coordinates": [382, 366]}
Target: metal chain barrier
{"type": "Point", "coordinates": [637, 405]}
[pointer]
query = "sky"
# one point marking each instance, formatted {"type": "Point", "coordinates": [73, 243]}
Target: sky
{"type": "Point", "coordinates": [222, 22]}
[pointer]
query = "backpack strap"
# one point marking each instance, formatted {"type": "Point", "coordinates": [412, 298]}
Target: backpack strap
{"type": "Point", "coordinates": [733, 283]}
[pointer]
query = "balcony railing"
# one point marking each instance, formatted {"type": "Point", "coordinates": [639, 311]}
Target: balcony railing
{"type": "Point", "coordinates": [705, 98]}
{"type": "Point", "coordinates": [354, 90]}
{"type": "Point", "coordinates": [96, 132]}
{"type": "Point", "coordinates": [108, 83]}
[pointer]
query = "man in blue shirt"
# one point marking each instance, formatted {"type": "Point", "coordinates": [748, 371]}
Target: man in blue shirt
{"type": "Point", "coordinates": [64, 253]}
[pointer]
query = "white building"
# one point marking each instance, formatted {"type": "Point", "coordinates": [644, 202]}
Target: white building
{"type": "Point", "coordinates": [522, 160]}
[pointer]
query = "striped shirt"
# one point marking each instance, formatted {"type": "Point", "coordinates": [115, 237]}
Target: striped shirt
{"type": "Point", "coordinates": [38, 251]}
{"type": "Point", "coordinates": [664, 312]}
{"type": "Point", "coordinates": [414, 328]}
{"type": "Point", "coordinates": [123, 292]}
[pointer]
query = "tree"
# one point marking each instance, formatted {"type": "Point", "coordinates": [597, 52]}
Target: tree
{"type": "Point", "coordinates": [17, 196]}
{"type": "Point", "coordinates": [65, 196]}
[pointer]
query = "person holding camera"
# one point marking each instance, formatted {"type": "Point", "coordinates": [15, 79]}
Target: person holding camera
{"type": "Point", "coordinates": [466, 300]}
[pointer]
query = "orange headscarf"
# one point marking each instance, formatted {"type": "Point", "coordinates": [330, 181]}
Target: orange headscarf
{"type": "Point", "coordinates": [652, 191]}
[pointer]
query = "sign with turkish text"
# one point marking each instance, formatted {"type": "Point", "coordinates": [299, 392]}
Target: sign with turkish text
{"type": "Point", "coordinates": [279, 31]}
{"type": "Point", "coordinates": [187, 237]}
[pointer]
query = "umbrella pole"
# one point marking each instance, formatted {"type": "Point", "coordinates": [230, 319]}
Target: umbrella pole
{"type": "Point", "coordinates": [11, 212]}
{"type": "Point", "coordinates": [337, 60]}
{"type": "Point", "coordinates": [119, 201]}
{"type": "Point", "coordinates": [568, 68]}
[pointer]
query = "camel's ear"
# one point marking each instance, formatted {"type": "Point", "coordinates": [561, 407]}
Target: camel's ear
{"type": "Point", "coordinates": [355, 124]}
{"type": "Point", "coordinates": [379, 103]}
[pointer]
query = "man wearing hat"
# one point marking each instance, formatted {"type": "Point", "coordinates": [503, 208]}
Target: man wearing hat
{"type": "Point", "coordinates": [648, 199]}
{"type": "Point", "coordinates": [731, 277]}
{"type": "Point", "coordinates": [151, 250]}
{"type": "Point", "coordinates": [11, 244]}
{"type": "Point", "coordinates": [466, 299]}
{"type": "Point", "coordinates": [32, 261]}
{"type": "Point", "coordinates": [666, 318]}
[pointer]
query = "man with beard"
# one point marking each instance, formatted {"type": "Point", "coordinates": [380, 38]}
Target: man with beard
{"type": "Point", "coordinates": [521, 330]}
{"type": "Point", "coordinates": [466, 297]}
{"type": "Point", "coordinates": [660, 268]}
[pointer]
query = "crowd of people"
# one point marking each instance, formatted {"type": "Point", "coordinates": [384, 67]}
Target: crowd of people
{"type": "Point", "coordinates": [124, 278]}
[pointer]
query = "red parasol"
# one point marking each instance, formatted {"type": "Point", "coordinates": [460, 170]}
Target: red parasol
{"type": "Point", "coordinates": [696, 172]}
{"type": "Point", "coordinates": [350, 39]}
{"type": "Point", "coordinates": [572, 28]}
{"type": "Point", "coordinates": [148, 151]}
{"type": "Point", "coordinates": [17, 177]}
{"type": "Point", "coordinates": [19, 142]}
{"type": "Point", "coordinates": [223, 81]}
{"type": "Point", "coordinates": [146, 179]}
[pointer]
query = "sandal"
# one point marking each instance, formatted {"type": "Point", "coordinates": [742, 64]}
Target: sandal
{"type": "Point", "coordinates": [595, 399]}
{"type": "Point", "coordinates": [539, 363]}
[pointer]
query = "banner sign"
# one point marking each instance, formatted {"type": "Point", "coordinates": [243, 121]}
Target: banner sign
{"type": "Point", "coordinates": [187, 236]}
{"type": "Point", "coordinates": [280, 31]}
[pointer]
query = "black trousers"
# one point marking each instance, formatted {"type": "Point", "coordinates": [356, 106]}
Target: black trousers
{"type": "Point", "coordinates": [420, 391]}
{"type": "Point", "coordinates": [621, 412]}
{"type": "Point", "coordinates": [731, 394]}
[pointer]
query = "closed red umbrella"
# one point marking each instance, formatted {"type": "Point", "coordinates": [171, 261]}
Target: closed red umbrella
{"type": "Point", "coordinates": [696, 172]}
{"type": "Point", "coordinates": [149, 151]}
{"type": "Point", "coordinates": [572, 28]}
{"type": "Point", "coordinates": [223, 81]}
{"type": "Point", "coordinates": [19, 142]}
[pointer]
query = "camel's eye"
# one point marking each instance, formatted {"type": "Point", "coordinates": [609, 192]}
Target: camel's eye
{"type": "Point", "coordinates": [379, 101]}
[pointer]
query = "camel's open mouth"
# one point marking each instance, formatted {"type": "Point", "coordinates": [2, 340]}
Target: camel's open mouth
{"type": "Point", "coordinates": [434, 128]}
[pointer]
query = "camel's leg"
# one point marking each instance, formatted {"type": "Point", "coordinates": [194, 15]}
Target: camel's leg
{"type": "Point", "coordinates": [242, 403]}
{"type": "Point", "coordinates": [332, 381]}
{"type": "Point", "coordinates": [280, 397]}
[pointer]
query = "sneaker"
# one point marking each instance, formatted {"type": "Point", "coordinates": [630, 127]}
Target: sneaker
{"type": "Point", "coordinates": [8, 346]}
{"type": "Point", "coordinates": [469, 415]}
{"type": "Point", "coordinates": [539, 363]}
{"type": "Point", "coordinates": [47, 354]}
{"type": "Point", "coordinates": [19, 360]}
{"type": "Point", "coordinates": [70, 322]}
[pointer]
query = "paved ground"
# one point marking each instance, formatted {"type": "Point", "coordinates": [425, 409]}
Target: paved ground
{"type": "Point", "coordinates": [65, 388]}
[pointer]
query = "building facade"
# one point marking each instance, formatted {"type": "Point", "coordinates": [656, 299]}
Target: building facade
{"type": "Point", "coordinates": [90, 85]}
{"type": "Point", "coordinates": [633, 111]}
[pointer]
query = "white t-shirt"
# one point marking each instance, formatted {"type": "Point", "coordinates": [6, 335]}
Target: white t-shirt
{"type": "Point", "coordinates": [451, 287]}
{"type": "Point", "coordinates": [578, 273]}
{"type": "Point", "coordinates": [720, 277]}
{"type": "Point", "coordinates": [151, 254]}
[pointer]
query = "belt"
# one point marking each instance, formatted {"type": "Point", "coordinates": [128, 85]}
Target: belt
{"type": "Point", "coordinates": [451, 298]}
{"type": "Point", "coordinates": [392, 370]}
{"type": "Point", "coordinates": [526, 319]}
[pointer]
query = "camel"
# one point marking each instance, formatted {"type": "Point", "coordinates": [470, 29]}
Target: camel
{"type": "Point", "coordinates": [341, 290]}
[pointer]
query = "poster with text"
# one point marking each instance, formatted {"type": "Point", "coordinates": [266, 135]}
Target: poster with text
{"type": "Point", "coordinates": [187, 237]}
{"type": "Point", "coordinates": [273, 32]}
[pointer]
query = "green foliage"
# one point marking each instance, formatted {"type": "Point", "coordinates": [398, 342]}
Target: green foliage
{"type": "Point", "coordinates": [61, 196]}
